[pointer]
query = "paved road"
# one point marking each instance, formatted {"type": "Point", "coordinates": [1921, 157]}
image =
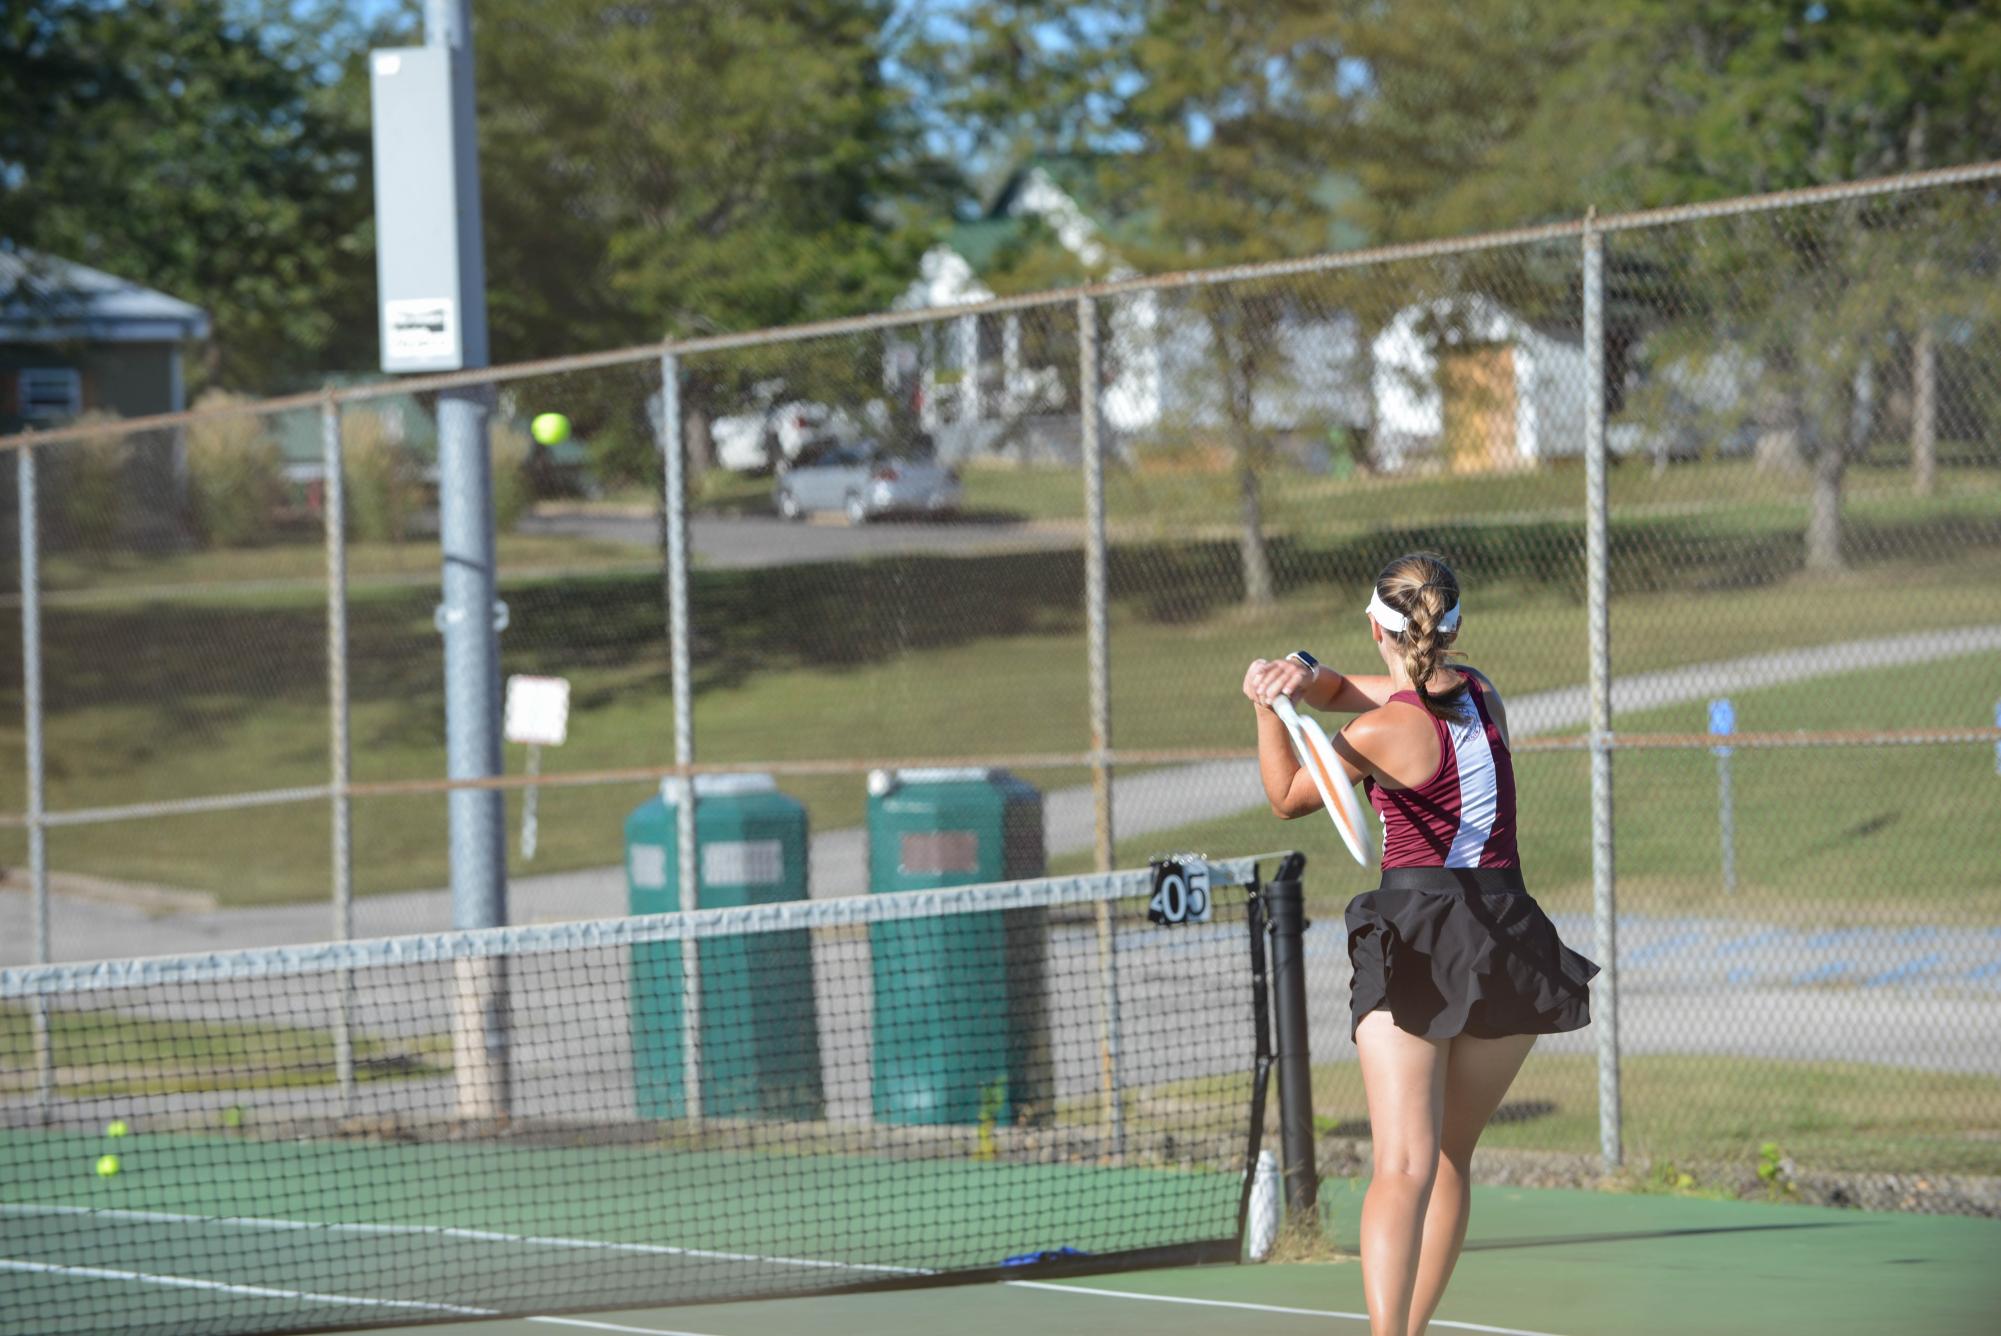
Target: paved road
{"type": "Point", "coordinates": [743, 541]}
{"type": "Point", "coordinates": [1927, 997]}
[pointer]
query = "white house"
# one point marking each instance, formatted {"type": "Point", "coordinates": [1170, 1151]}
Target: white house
{"type": "Point", "coordinates": [973, 370]}
{"type": "Point", "coordinates": [1160, 371]}
{"type": "Point", "coordinates": [1461, 378]}
{"type": "Point", "coordinates": [1468, 379]}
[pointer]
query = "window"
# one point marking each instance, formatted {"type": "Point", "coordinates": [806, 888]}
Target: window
{"type": "Point", "coordinates": [51, 394]}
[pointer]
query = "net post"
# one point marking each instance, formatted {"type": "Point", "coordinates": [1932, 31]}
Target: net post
{"type": "Point", "coordinates": [1285, 901]}
{"type": "Point", "coordinates": [37, 776]}
{"type": "Point", "coordinates": [674, 511]}
{"type": "Point", "coordinates": [1098, 666]}
{"type": "Point", "coordinates": [1257, 918]}
{"type": "Point", "coordinates": [333, 505]}
{"type": "Point", "coordinates": [1596, 583]}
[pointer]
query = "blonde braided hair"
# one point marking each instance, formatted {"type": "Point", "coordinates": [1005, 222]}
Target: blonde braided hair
{"type": "Point", "coordinates": [1423, 588]}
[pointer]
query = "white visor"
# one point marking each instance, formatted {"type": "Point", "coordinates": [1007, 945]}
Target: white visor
{"type": "Point", "coordinates": [1394, 622]}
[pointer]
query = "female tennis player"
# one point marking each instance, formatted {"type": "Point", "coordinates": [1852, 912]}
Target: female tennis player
{"type": "Point", "coordinates": [1456, 968]}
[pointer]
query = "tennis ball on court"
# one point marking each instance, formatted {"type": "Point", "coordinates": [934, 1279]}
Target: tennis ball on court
{"type": "Point", "coordinates": [116, 1128]}
{"type": "Point", "coordinates": [550, 428]}
{"type": "Point", "coordinates": [107, 1165]}
{"type": "Point", "coordinates": [233, 1116]}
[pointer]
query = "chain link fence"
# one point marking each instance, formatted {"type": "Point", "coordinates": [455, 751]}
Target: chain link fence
{"type": "Point", "coordinates": [1047, 533]}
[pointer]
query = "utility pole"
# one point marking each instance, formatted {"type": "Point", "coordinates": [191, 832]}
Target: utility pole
{"type": "Point", "coordinates": [432, 270]}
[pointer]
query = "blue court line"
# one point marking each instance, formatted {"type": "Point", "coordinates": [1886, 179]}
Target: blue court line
{"type": "Point", "coordinates": [1987, 971]}
{"type": "Point", "coordinates": [1921, 933]}
{"type": "Point", "coordinates": [1746, 943]}
{"type": "Point", "coordinates": [1820, 941]}
{"type": "Point", "coordinates": [1904, 971]}
{"type": "Point", "coordinates": [1827, 971]}
{"type": "Point", "coordinates": [1675, 943]}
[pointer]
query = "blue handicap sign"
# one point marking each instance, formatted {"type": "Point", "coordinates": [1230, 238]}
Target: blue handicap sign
{"type": "Point", "coordinates": [1722, 720]}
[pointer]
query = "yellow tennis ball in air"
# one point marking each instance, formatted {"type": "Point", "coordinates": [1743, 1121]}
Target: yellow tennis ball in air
{"type": "Point", "coordinates": [107, 1165]}
{"type": "Point", "coordinates": [550, 428]}
{"type": "Point", "coordinates": [116, 1128]}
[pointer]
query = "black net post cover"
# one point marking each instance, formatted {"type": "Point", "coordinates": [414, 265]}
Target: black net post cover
{"type": "Point", "coordinates": [547, 1118]}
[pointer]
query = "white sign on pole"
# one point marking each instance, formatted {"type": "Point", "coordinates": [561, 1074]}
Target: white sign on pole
{"type": "Point", "coordinates": [419, 329]}
{"type": "Point", "coordinates": [428, 286]}
{"type": "Point", "coordinates": [538, 710]}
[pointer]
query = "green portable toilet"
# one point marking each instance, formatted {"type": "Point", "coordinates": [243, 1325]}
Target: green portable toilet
{"type": "Point", "coordinates": [961, 1030]}
{"type": "Point", "coordinates": [760, 1045]}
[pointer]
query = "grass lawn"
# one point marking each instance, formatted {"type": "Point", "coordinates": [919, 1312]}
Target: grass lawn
{"type": "Point", "coordinates": [152, 697]}
{"type": "Point", "coordinates": [111, 1053]}
{"type": "Point", "coordinates": [257, 573]}
{"type": "Point", "coordinates": [1706, 1109]}
{"type": "Point", "coordinates": [1315, 502]}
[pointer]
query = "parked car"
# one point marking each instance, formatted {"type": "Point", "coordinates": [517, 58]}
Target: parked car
{"type": "Point", "coordinates": [758, 441]}
{"type": "Point", "coordinates": [862, 480]}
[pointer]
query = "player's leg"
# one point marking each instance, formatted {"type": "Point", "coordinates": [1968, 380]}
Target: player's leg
{"type": "Point", "coordinates": [1404, 1077]}
{"type": "Point", "coordinates": [1478, 1073]}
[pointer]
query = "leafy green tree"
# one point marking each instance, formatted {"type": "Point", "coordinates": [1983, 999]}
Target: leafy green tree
{"type": "Point", "coordinates": [1207, 121]}
{"type": "Point", "coordinates": [1633, 103]}
{"type": "Point", "coordinates": [193, 146]}
{"type": "Point", "coordinates": [694, 169]}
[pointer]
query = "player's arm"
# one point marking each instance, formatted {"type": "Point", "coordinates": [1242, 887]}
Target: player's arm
{"type": "Point", "coordinates": [1321, 687]}
{"type": "Point", "coordinates": [1341, 693]}
{"type": "Point", "coordinates": [1288, 788]}
{"type": "Point", "coordinates": [1368, 745]}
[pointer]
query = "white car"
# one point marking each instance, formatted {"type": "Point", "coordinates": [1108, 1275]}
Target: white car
{"type": "Point", "coordinates": [862, 480]}
{"type": "Point", "coordinates": [753, 442]}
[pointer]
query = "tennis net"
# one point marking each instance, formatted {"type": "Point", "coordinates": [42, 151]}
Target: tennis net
{"type": "Point", "coordinates": [732, 1103]}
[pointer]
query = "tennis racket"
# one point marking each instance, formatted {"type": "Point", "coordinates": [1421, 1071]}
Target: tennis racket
{"type": "Point", "coordinates": [1316, 756]}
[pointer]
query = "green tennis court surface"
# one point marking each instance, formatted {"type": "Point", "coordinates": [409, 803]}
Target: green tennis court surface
{"type": "Point", "coordinates": [363, 1229]}
{"type": "Point", "coordinates": [1560, 1263]}
{"type": "Point", "coordinates": [892, 1087]}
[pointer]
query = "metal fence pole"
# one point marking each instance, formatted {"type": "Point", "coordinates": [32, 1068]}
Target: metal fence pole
{"type": "Point", "coordinates": [674, 499]}
{"type": "Point", "coordinates": [1098, 666]}
{"type": "Point", "coordinates": [333, 504]}
{"type": "Point", "coordinates": [31, 720]}
{"type": "Point", "coordinates": [1596, 581]}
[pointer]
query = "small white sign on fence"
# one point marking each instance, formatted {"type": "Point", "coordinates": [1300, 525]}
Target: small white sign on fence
{"type": "Point", "coordinates": [538, 714]}
{"type": "Point", "coordinates": [538, 710]}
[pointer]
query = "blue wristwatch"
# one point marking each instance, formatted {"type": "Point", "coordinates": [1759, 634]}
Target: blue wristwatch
{"type": "Point", "coordinates": [1305, 660]}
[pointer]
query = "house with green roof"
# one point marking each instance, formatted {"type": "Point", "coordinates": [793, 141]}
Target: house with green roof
{"type": "Point", "coordinates": [982, 386]}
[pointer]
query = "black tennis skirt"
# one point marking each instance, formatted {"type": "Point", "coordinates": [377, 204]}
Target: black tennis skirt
{"type": "Point", "coordinates": [1453, 951]}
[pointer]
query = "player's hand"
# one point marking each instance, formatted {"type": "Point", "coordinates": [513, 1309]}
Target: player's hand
{"type": "Point", "coordinates": [1268, 679]}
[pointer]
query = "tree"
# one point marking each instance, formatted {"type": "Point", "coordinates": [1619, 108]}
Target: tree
{"type": "Point", "coordinates": [193, 147]}
{"type": "Point", "coordinates": [655, 171]}
{"type": "Point", "coordinates": [1208, 122]}
{"type": "Point", "coordinates": [1682, 101]}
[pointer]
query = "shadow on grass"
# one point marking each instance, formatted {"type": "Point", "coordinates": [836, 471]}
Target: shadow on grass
{"type": "Point", "coordinates": [199, 667]}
